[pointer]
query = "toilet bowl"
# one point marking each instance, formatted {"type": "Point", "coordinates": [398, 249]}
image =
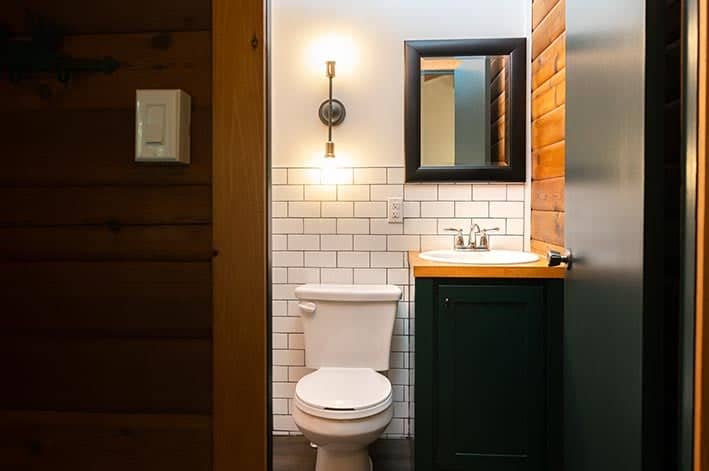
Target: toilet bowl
{"type": "Point", "coordinates": [345, 404]}
{"type": "Point", "coordinates": [343, 411]}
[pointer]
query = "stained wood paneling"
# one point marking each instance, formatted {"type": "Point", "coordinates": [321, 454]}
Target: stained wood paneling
{"type": "Point", "coordinates": [168, 60]}
{"type": "Point", "coordinates": [105, 264]}
{"type": "Point", "coordinates": [146, 299]}
{"type": "Point", "coordinates": [72, 243]}
{"type": "Point", "coordinates": [240, 295]}
{"type": "Point", "coordinates": [539, 247]}
{"type": "Point", "coordinates": [548, 226]}
{"type": "Point", "coordinates": [548, 195]}
{"type": "Point", "coordinates": [548, 123]}
{"type": "Point", "coordinates": [549, 161]}
{"type": "Point", "coordinates": [99, 205]}
{"type": "Point", "coordinates": [549, 29]}
{"type": "Point", "coordinates": [541, 10]}
{"type": "Point", "coordinates": [96, 147]}
{"type": "Point", "coordinates": [106, 374]}
{"type": "Point", "coordinates": [549, 128]}
{"type": "Point", "coordinates": [498, 84]}
{"type": "Point", "coordinates": [549, 62]}
{"type": "Point", "coordinates": [549, 95]}
{"type": "Point", "coordinates": [127, 16]}
{"type": "Point", "coordinates": [63, 441]}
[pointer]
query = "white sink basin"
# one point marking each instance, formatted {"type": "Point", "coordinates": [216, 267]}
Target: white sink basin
{"type": "Point", "coordinates": [492, 257]}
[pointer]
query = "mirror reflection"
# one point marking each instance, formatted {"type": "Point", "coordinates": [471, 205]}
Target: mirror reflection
{"type": "Point", "coordinates": [464, 103]}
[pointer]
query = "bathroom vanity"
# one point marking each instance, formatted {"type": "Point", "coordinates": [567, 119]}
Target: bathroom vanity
{"type": "Point", "coordinates": [488, 366]}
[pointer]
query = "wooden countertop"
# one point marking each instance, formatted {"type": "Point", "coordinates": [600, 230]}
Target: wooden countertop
{"type": "Point", "coordinates": [428, 269]}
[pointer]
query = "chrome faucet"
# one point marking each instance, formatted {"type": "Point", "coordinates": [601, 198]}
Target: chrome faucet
{"type": "Point", "coordinates": [484, 241]}
{"type": "Point", "coordinates": [478, 239]}
{"type": "Point", "coordinates": [473, 237]}
{"type": "Point", "coordinates": [458, 241]}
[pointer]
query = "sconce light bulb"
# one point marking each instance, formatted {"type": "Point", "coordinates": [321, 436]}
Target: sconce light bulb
{"type": "Point", "coordinates": [329, 150]}
{"type": "Point", "coordinates": [330, 69]}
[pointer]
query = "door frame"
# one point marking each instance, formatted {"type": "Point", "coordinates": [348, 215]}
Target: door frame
{"type": "Point", "coordinates": [241, 391]}
{"type": "Point", "coordinates": [697, 115]}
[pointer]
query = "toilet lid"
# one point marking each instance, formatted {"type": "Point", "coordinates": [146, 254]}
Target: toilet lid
{"type": "Point", "coordinates": [343, 393]}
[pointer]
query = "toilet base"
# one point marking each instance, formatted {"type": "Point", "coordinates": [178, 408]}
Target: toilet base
{"type": "Point", "coordinates": [329, 459]}
{"type": "Point", "coordinates": [343, 445]}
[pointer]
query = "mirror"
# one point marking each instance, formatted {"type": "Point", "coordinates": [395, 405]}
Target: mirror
{"type": "Point", "coordinates": [465, 110]}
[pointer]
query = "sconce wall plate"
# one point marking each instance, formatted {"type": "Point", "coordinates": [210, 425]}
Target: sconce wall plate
{"type": "Point", "coordinates": [338, 112]}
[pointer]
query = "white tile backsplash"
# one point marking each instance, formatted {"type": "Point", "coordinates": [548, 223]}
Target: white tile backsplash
{"type": "Point", "coordinates": [420, 192]}
{"type": "Point", "coordinates": [320, 192]}
{"type": "Point", "coordinates": [337, 209]}
{"type": "Point", "coordinates": [370, 176]}
{"type": "Point", "coordinates": [329, 226]}
{"type": "Point", "coordinates": [353, 192]}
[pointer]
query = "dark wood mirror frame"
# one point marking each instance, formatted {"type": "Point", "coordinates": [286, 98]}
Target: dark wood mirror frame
{"type": "Point", "coordinates": [516, 48]}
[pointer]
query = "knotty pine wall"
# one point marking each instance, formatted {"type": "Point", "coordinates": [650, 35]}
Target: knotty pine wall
{"type": "Point", "coordinates": [105, 271]}
{"type": "Point", "coordinates": [548, 123]}
{"type": "Point", "coordinates": [498, 108]}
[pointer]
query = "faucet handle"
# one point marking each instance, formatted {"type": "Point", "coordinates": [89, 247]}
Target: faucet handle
{"type": "Point", "coordinates": [492, 229]}
{"type": "Point", "coordinates": [458, 242]}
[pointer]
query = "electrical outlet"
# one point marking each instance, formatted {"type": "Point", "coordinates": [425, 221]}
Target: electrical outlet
{"type": "Point", "coordinates": [395, 210]}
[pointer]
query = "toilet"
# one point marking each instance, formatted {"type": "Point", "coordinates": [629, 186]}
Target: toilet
{"type": "Point", "coordinates": [345, 404]}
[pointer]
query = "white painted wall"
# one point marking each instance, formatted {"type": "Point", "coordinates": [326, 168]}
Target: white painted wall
{"type": "Point", "coordinates": [366, 37]}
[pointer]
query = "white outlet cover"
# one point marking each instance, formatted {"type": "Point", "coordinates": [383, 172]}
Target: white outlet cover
{"type": "Point", "coordinates": [395, 210]}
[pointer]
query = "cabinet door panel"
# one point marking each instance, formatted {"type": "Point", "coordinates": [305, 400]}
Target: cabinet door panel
{"type": "Point", "coordinates": [491, 371]}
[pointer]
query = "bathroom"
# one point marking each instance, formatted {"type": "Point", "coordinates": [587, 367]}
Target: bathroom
{"type": "Point", "coordinates": [372, 235]}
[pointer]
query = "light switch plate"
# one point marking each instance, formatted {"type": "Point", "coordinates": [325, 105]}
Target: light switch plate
{"type": "Point", "coordinates": [162, 126]}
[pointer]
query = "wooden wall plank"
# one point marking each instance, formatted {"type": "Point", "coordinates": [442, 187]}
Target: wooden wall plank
{"type": "Point", "coordinates": [540, 9]}
{"type": "Point", "coordinates": [549, 129]}
{"type": "Point", "coordinates": [126, 16]}
{"type": "Point", "coordinates": [499, 107]}
{"type": "Point", "coordinates": [64, 441]}
{"type": "Point", "coordinates": [240, 276]}
{"type": "Point", "coordinates": [548, 226]}
{"type": "Point", "coordinates": [549, 161]}
{"type": "Point", "coordinates": [63, 147]}
{"type": "Point", "coordinates": [548, 195]}
{"type": "Point", "coordinates": [549, 29]}
{"type": "Point", "coordinates": [499, 83]}
{"type": "Point", "coordinates": [106, 374]}
{"type": "Point", "coordinates": [549, 95]}
{"type": "Point", "coordinates": [548, 124]}
{"type": "Point", "coordinates": [542, 248]}
{"type": "Point", "coordinates": [98, 205]}
{"type": "Point", "coordinates": [146, 299]}
{"type": "Point", "coordinates": [177, 243]}
{"type": "Point", "coordinates": [169, 60]}
{"type": "Point", "coordinates": [549, 62]}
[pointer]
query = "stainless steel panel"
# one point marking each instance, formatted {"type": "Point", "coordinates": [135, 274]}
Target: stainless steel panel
{"type": "Point", "coordinates": [603, 332]}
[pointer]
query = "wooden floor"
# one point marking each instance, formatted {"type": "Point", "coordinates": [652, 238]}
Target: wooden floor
{"type": "Point", "coordinates": [295, 454]}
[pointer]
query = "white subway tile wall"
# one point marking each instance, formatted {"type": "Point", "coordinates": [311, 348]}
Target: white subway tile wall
{"type": "Point", "coordinates": [329, 226]}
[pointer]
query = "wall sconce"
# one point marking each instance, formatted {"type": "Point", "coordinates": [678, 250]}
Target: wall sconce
{"type": "Point", "coordinates": [332, 112]}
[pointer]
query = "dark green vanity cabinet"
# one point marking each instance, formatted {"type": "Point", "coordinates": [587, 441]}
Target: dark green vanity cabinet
{"type": "Point", "coordinates": [488, 366]}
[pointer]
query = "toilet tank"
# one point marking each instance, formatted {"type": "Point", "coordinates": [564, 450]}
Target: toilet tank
{"type": "Point", "coordinates": [348, 326]}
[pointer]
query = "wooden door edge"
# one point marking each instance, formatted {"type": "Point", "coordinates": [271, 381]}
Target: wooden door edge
{"type": "Point", "coordinates": [240, 294]}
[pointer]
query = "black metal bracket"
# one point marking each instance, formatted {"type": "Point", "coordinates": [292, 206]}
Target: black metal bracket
{"type": "Point", "coordinates": [24, 56]}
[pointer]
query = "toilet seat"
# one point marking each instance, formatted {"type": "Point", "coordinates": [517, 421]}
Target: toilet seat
{"type": "Point", "coordinates": [343, 393]}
